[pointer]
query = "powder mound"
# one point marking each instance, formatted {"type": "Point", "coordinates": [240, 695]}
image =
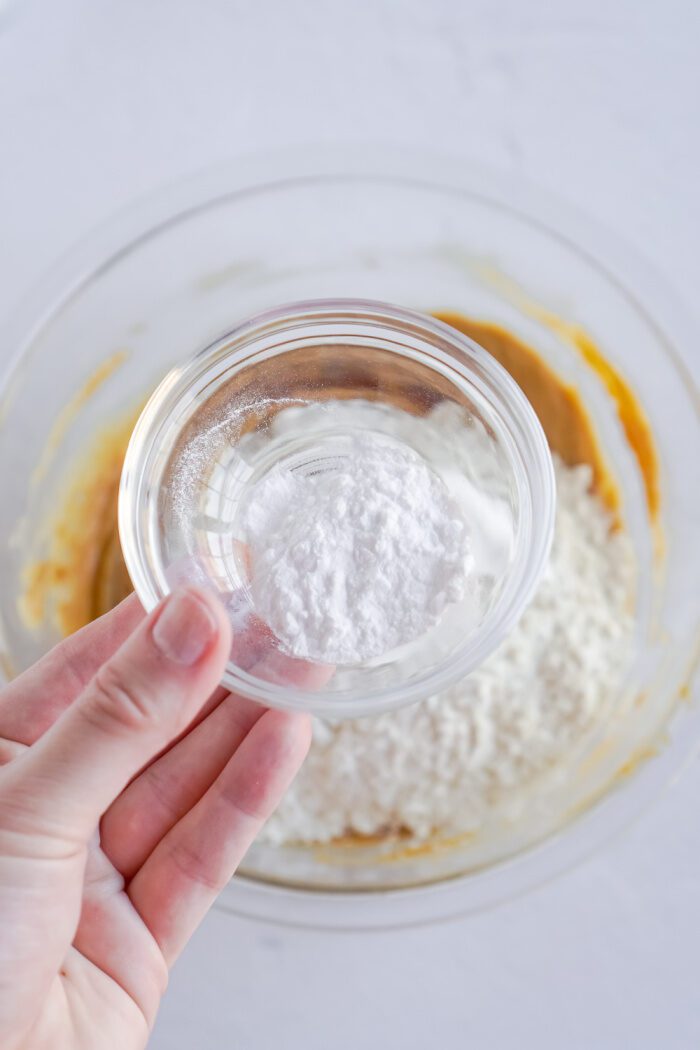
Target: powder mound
{"type": "Point", "coordinates": [354, 560]}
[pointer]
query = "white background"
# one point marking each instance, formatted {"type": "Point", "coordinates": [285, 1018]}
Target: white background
{"type": "Point", "coordinates": [101, 101]}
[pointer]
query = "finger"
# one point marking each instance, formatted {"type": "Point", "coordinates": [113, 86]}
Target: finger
{"type": "Point", "coordinates": [34, 700]}
{"type": "Point", "coordinates": [180, 880]}
{"type": "Point", "coordinates": [254, 648]}
{"type": "Point", "coordinates": [139, 818]}
{"type": "Point", "coordinates": [113, 937]}
{"type": "Point", "coordinates": [212, 702]}
{"type": "Point", "coordinates": [137, 702]}
{"type": "Point", "coordinates": [170, 786]}
{"type": "Point", "coordinates": [9, 750]}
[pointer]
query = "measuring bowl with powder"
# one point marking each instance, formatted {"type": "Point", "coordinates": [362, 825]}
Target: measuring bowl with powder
{"type": "Point", "coordinates": [366, 490]}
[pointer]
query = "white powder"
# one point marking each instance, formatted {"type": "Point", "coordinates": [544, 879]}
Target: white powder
{"type": "Point", "coordinates": [449, 763]}
{"type": "Point", "coordinates": [351, 561]}
{"type": "Point", "coordinates": [510, 729]}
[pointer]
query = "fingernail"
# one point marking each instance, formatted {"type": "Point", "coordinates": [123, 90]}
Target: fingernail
{"type": "Point", "coordinates": [185, 628]}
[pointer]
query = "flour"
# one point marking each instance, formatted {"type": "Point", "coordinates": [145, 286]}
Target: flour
{"type": "Point", "coordinates": [493, 740]}
{"type": "Point", "coordinates": [449, 763]}
{"type": "Point", "coordinates": [351, 561]}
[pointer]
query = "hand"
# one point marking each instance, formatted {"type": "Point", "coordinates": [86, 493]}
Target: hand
{"type": "Point", "coordinates": [130, 788]}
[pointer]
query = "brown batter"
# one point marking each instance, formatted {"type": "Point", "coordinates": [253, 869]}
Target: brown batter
{"type": "Point", "coordinates": [558, 405]}
{"type": "Point", "coordinates": [83, 574]}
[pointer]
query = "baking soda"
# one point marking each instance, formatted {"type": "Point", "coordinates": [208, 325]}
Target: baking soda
{"type": "Point", "coordinates": [354, 559]}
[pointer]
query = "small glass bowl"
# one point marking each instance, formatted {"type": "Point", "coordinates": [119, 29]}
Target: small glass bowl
{"type": "Point", "coordinates": [212, 429]}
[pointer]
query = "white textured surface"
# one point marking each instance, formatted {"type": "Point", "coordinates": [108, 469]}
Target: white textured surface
{"type": "Point", "coordinates": [447, 763]}
{"type": "Point", "coordinates": [598, 100]}
{"type": "Point", "coordinates": [351, 562]}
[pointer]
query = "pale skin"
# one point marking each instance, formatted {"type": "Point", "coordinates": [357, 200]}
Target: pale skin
{"type": "Point", "coordinates": [131, 787]}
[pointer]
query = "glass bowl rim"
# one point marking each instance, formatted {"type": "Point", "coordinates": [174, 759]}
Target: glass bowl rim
{"type": "Point", "coordinates": [524, 442]}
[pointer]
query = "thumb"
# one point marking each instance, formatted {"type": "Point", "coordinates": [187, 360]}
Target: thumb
{"type": "Point", "coordinates": [137, 702]}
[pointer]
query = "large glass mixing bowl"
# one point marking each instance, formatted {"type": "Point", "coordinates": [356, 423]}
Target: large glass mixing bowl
{"type": "Point", "coordinates": [174, 272]}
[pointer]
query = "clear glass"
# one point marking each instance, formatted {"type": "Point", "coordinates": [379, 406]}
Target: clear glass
{"type": "Point", "coordinates": [177, 525]}
{"type": "Point", "coordinates": [174, 272]}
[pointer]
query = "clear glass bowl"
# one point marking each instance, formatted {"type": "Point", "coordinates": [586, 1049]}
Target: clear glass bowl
{"type": "Point", "coordinates": [175, 271]}
{"type": "Point", "coordinates": [218, 410]}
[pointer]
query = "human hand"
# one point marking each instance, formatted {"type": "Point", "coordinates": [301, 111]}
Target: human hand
{"type": "Point", "coordinates": [130, 788]}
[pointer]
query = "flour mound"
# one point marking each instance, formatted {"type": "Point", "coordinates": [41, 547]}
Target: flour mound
{"type": "Point", "coordinates": [450, 763]}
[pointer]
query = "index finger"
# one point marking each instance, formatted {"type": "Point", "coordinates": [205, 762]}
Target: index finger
{"type": "Point", "coordinates": [32, 702]}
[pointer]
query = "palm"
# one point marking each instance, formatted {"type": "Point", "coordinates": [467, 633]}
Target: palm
{"type": "Point", "coordinates": [108, 921]}
{"type": "Point", "coordinates": [87, 1005]}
